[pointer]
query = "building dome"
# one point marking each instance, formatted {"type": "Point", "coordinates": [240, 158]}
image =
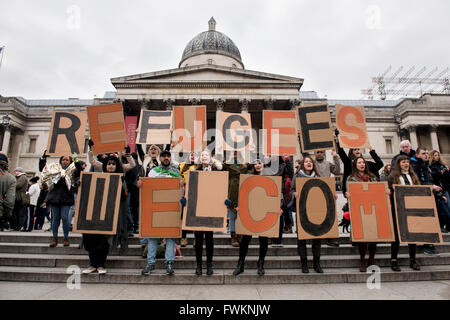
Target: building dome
{"type": "Point", "coordinates": [211, 42]}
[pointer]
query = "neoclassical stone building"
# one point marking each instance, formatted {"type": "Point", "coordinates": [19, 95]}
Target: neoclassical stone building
{"type": "Point", "coordinates": [212, 73]}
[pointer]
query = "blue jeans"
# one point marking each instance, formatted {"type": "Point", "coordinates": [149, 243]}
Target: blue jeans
{"type": "Point", "coordinates": [153, 245]}
{"type": "Point", "coordinates": [58, 213]}
{"type": "Point", "coordinates": [232, 223]}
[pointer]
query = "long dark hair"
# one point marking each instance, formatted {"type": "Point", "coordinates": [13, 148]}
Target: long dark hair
{"type": "Point", "coordinates": [397, 171]}
{"type": "Point", "coordinates": [119, 168]}
{"type": "Point", "coordinates": [355, 172]}
{"type": "Point", "coordinates": [70, 159]}
{"type": "Point", "coordinates": [314, 169]}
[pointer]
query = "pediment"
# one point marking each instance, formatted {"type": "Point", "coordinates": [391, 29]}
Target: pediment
{"type": "Point", "coordinates": [205, 73]}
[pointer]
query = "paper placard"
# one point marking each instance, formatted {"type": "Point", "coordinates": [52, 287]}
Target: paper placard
{"type": "Point", "coordinates": [67, 133]}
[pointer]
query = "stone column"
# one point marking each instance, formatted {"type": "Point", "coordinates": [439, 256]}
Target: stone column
{"type": "Point", "coordinates": [194, 101]}
{"type": "Point", "coordinates": [220, 103]}
{"type": "Point", "coordinates": [145, 104]}
{"type": "Point", "coordinates": [244, 105]}
{"type": "Point", "coordinates": [169, 103]}
{"type": "Point", "coordinates": [434, 137]}
{"type": "Point", "coordinates": [413, 135]}
{"type": "Point", "coordinates": [6, 139]}
{"type": "Point", "coordinates": [268, 104]}
{"type": "Point", "coordinates": [293, 103]}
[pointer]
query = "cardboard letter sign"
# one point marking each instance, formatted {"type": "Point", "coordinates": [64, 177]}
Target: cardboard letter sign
{"type": "Point", "coordinates": [189, 127]}
{"type": "Point", "coordinates": [107, 127]}
{"type": "Point", "coordinates": [417, 218]}
{"type": "Point", "coordinates": [370, 212]}
{"type": "Point", "coordinates": [98, 203]}
{"type": "Point", "coordinates": [160, 209]}
{"type": "Point", "coordinates": [316, 208]}
{"type": "Point", "coordinates": [67, 133]}
{"type": "Point", "coordinates": [351, 124]}
{"type": "Point", "coordinates": [154, 127]}
{"type": "Point", "coordinates": [130, 124]}
{"type": "Point", "coordinates": [315, 126]}
{"type": "Point", "coordinates": [285, 123]}
{"type": "Point", "coordinates": [206, 192]}
{"type": "Point", "coordinates": [235, 131]}
{"type": "Point", "coordinates": [259, 206]}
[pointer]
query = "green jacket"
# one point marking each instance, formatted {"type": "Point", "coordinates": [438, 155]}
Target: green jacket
{"type": "Point", "coordinates": [7, 193]}
{"type": "Point", "coordinates": [234, 172]}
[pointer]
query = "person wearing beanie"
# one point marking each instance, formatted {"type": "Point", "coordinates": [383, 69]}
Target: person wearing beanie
{"type": "Point", "coordinates": [8, 192]}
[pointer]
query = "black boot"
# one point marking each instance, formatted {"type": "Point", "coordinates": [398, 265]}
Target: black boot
{"type": "Point", "coordinates": [261, 271]}
{"type": "Point", "coordinates": [316, 264]}
{"type": "Point", "coordinates": [239, 268]}
{"type": "Point", "coordinates": [304, 265]}
{"type": "Point", "coordinates": [316, 255]}
{"type": "Point", "coordinates": [198, 271]}
{"type": "Point", "coordinates": [209, 268]}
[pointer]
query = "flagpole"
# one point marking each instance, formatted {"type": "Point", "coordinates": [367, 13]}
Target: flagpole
{"type": "Point", "coordinates": [1, 59]}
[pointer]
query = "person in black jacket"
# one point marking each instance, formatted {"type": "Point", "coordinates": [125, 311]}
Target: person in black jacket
{"type": "Point", "coordinates": [60, 198]}
{"type": "Point", "coordinates": [421, 167]}
{"type": "Point", "coordinates": [441, 177]}
{"type": "Point", "coordinates": [131, 178]}
{"type": "Point", "coordinates": [256, 169]}
{"type": "Point", "coordinates": [347, 159]}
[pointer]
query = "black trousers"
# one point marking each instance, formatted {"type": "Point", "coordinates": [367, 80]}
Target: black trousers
{"type": "Point", "coordinates": [395, 246]}
{"type": "Point", "coordinates": [243, 248]}
{"type": "Point", "coordinates": [29, 221]}
{"type": "Point", "coordinates": [301, 246]}
{"type": "Point", "coordinates": [208, 235]}
{"type": "Point", "coordinates": [18, 216]}
{"type": "Point", "coordinates": [97, 246]}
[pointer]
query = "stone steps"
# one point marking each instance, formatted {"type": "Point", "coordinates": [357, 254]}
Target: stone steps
{"type": "Point", "coordinates": [219, 250]}
{"type": "Point", "coordinates": [223, 276]}
{"type": "Point", "coordinates": [221, 262]}
{"type": "Point", "coordinates": [27, 257]}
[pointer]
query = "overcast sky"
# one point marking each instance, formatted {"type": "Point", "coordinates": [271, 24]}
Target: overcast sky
{"type": "Point", "coordinates": [62, 49]}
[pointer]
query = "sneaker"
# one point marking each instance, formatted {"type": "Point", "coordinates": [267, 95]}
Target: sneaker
{"type": "Point", "coordinates": [430, 250]}
{"type": "Point", "coordinates": [183, 242]}
{"type": "Point", "coordinates": [169, 268]}
{"type": "Point", "coordinates": [89, 270]}
{"type": "Point", "coordinates": [148, 269]}
{"type": "Point", "coordinates": [332, 243]}
{"type": "Point", "coordinates": [101, 270]}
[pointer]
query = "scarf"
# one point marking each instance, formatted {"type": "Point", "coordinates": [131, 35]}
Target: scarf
{"type": "Point", "coordinates": [362, 177]}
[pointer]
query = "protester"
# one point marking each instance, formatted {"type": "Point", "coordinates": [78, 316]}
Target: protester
{"type": "Point", "coordinates": [131, 178]}
{"type": "Point", "coordinates": [263, 241]}
{"type": "Point", "coordinates": [286, 171]}
{"type": "Point", "coordinates": [79, 167]}
{"type": "Point", "coordinates": [166, 169]}
{"type": "Point", "coordinates": [185, 167]}
{"type": "Point", "coordinates": [42, 211]}
{"type": "Point", "coordinates": [7, 192]}
{"type": "Point", "coordinates": [98, 245]}
{"type": "Point", "coordinates": [421, 166]}
{"type": "Point", "coordinates": [403, 174]}
{"type": "Point", "coordinates": [235, 169]}
{"type": "Point", "coordinates": [354, 153]}
{"type": "Point", "coordinates": [307, 170]}
{"type": "Point", "coordinates": [405, 150]}
{"type": "Point", "coordinates": [385, 173]}
{"type": "Point", "coordinates": [33, 192]}
{"type": "Point", "coordinates": [60, 196]}
{"type": "Point", "coordinates": [207, 164]}
{"type": "Point", "coordinates": [325, 169]}
{"type": "Point", "coordinates": [441, 177]}
{"type": "Point", "coordinates": [361, 173]}
{"type": "Point", "coordinates": [22, 199]}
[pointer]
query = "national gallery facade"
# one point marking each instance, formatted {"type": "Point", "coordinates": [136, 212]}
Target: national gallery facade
{"type": "Point", "coordinates": [211, 72]}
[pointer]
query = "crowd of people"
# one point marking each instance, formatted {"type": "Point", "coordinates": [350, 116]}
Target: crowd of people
{"type": "Point", "coordinates": [25, 204]}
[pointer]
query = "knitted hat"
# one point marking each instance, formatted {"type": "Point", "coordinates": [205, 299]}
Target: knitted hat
{"type": "Point", "coordinates": [34, 179]}
{"type": "Point", "coordinates": [4, 157]}
{"type": "Point", "coordinates": [19, 169]}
